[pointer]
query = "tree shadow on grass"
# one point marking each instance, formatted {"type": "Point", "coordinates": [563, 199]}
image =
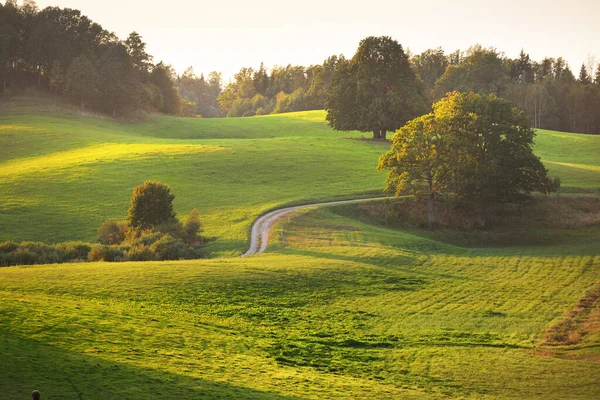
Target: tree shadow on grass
{"type": "Point", "coordinates": [27, 364]}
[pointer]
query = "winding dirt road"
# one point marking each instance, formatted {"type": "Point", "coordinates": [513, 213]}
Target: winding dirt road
{"type": "Point", "coordinates": [259, 236]}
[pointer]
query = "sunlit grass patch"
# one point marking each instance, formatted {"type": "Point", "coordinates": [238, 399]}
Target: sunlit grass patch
{"type": "Point", "coordinates": [96, 154]}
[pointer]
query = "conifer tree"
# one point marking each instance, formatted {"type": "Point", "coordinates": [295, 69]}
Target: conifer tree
{"type": "Point", "coordinates": [584, 78]}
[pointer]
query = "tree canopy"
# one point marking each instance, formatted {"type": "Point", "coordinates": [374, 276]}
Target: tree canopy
{"type": "Point", "coordinates": [477, 148]}
{"type": "Point", "coordinates": [52, 49]}
{"type": "Point", "coordinates": [151, 206]}
{"type": "Point", "coordinates": [376, 90]}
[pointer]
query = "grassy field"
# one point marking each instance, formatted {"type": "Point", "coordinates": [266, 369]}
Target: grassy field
{"type": "Point", "coordinates": [340, 306]}
{"type": "Point", "coordinates": [62, 175]}
{"type": "Point", "coordinates": [337, 309]}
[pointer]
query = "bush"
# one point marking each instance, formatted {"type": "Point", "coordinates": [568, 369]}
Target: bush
{"type": "Point", "coordinates": [38, 253]}
{"type": "Point", "coordinates": [140, 253]}
{"type": "Point", "coordinates": [144, 238]}
{"type": "Point", "coordinates": [8, 246]}
{"type": "Point", "coordinates": [74, 251]}
{"type": "Point", "coordinates": [101, 252]}
{"type": "Point", "coordinates": [172, 228]}
{"type": "Point", "coordinates": [151, 205]}
{"type": "Point", "coordinates": [166, 248]}
{"type": "Point", "coordinates": [112, 232]}
{"type": "Point", "coordinates": [191, 227]}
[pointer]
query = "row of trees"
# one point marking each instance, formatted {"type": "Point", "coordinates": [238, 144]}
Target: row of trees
{"type": "Point", "coordinates": [551, 96]}
{"type": "Point", "coordinates": [283, 89]}
{"type": "Point", "coordinates": [62, 51]}
{"type": "Point", "coordinates": [548, 91]}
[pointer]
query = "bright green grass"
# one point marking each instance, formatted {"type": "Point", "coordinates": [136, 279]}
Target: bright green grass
{"type": "Point", "coordinates": [573, 157]}
{"type": "Point", "coordinates": [62, 175]}
{"type": "Point", "coordinates": [337, 309]}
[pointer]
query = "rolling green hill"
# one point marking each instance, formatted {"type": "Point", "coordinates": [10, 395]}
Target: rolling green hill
{"type": "Point", "coordinates": [62, 175]}
{"type": "Point", "coordinates": [339, 307]}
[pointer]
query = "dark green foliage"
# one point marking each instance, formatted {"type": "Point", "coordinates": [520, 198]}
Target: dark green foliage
{"type": "Point", "coordinates": [162, 77]}
{"type": "Point", "coordinates": [476, 148]}
{"type": "Point", "coordinates": [102, 252]}
{"type": "Point", "coordinates": [30, 253]}
{"type": "Point", "coordinates": [286, 89]}
{"type": "Point", "coordinates": [151, 205]}
{"type": "Point", "coordinates": [429, 66]}
{"type": "Point", "coordinates": [120, 91]}
{"type": "Point", "coordinates": [141, 60]}
{"type": "Point", "coordinates": [377, 91]}
{"type": "Point", "coordinates": [584, 78]}
{"type": "Point", "coordinates": [27, 253]}
{"type": "Point", "coordinates": [140, 253]}
{"type": "Point", "coordinates": [521, 70]}
{"type": "Point", "coordinates": [8, 246]}
{"type": "Point", "coordinates": [168, 248]}
{"type": "Point", "coordinates": [261, 80]}
{"type": "Point", "coordinates": [74, 251]}
{"type": "Point", "coordinates": [82, 80]}
{"type": "Point", "coordinates": [481, 71]}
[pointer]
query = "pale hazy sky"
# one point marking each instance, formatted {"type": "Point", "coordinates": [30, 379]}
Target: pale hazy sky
{"type": "Point", "coordinates": [227, 35]}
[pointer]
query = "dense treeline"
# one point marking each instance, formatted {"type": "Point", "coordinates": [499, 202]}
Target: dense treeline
{"type": "Point", "coordinates": [63, 52]}
{"type": "Point", "coordinates": [284, 89]}
{"type": "Point", "coordinates": [548, 92]}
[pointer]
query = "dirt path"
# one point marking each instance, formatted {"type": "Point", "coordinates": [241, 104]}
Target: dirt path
{"type": "Point", "coordinates": [259, 236]}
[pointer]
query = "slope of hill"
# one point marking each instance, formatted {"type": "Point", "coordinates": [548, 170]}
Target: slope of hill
{"type": "Point", "coordinates": [339, 307]}
{"type": "Point", "coordinates": [61, 175]}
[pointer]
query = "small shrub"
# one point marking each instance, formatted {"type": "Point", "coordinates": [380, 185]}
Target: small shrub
{"type": "Point", "coordinates": [74, 251]}
{"type": "Point", "coordinates": [191, 227]}
{"type": "Point", "coordinates": [144, 238]}
{"type": "Point", "coordinates": [8, 246]}
{"type": "Point", "coordinates": [140, 253]}
{"type": "Point", "coordinates": [172, 228]}
{"type": "Point", "coordinates": [112, 232]}
{"type": "Point", "coordinates": [39, 253]}
{"type": "Point", "coordinates": [101, 252]}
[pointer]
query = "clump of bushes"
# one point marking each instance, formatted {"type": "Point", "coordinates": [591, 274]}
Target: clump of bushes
{"type": "Point", "coordinates": [151, 233]}
{"type": "Point", "coordinates": [27, 253]}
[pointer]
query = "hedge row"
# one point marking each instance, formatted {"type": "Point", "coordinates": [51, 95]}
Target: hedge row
{"type": "Point", "coordinates": [149, 247]}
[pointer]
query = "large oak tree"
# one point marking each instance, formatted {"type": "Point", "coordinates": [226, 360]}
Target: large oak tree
{"type": "Point", "coordinates": [476, 147]}
{"type": "Point", "coordinates": [376, 91]}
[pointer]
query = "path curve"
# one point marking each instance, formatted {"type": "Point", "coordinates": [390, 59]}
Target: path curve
{"type": "Point", "coordinates": [259, 236]}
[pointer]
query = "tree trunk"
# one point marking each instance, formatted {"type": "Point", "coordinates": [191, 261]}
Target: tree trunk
{"type": "Point", "coordinates": [376, 134]}
{"type": "Point", "coordinates": [382, 134]}
{"type": "Point", "coordinates": [430, 210]}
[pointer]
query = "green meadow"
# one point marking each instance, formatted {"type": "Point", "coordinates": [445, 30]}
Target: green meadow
{"type": "Point", "coordinates": [62, 175]}
{"type": "Point", "coordinates": [340, 306]}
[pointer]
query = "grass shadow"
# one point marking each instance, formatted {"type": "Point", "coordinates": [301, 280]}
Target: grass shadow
{"type": "Point", "coordinates": [60, 374]}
